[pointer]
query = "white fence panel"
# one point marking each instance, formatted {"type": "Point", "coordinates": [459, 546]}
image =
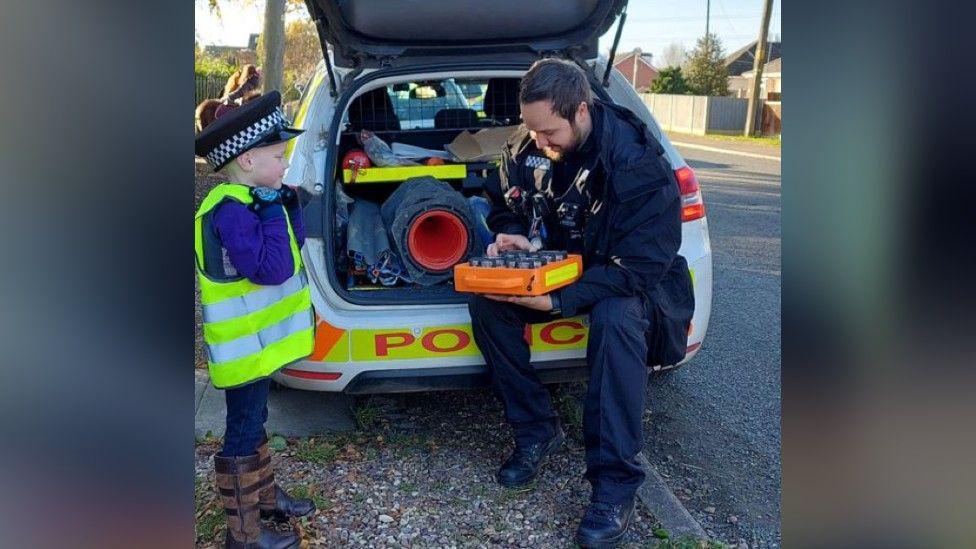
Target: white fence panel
{"type": "Point", "coordinates": [697, 114]}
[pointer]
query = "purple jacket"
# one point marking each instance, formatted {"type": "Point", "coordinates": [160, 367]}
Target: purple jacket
{"type": "Point", "coordinates": [257, 244]}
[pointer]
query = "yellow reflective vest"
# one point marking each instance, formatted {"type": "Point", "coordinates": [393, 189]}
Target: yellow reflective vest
{"type": "Point", "coordinates": [251, 330]}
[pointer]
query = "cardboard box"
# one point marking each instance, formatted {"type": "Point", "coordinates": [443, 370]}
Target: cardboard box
{"type": "Point", "coordinates": [483, 146]}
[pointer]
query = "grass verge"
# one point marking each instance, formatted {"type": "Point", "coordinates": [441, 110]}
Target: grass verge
{"type": "Point", "coordinates": [775, 141]}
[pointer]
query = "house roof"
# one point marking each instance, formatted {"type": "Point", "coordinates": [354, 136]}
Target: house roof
{"type": "Point", "coordinates": [774, 67]}
{"type": "Point", "coordinates": [645, 57]}
{"type": "Point", "coordinates": [742, 59]}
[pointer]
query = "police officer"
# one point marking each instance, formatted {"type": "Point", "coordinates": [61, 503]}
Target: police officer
{"type": "Point", "coordinates": [586, 176]}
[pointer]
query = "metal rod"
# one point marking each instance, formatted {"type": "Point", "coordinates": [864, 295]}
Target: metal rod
{"type": "Point", "coordinates": [613, 50]}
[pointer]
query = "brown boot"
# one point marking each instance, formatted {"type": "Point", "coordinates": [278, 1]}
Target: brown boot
{"type": "Point", "coordinates": [238, 481]}
{"type": "Point", "coordinates": [274, 502]}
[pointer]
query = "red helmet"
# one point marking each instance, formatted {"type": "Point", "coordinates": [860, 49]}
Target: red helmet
{"type": "Point", "coordinates": [355, 159]}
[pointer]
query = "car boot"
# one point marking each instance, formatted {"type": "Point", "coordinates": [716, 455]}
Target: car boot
{"type": "Point", "coordinates": [274, 502]}
{"type": "Point", "coordinates": [521, 468]}
{"type": "Point", "coordinates": [238, 481]}
{"type": "Point", "coordinates": [604, 524]}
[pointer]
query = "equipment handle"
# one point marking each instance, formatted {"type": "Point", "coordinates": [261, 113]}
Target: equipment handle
{"type": "Point", "coordinates": [500, 283]}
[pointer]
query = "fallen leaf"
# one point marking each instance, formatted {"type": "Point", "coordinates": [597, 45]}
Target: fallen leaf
{"type": "Point", "coordinates": [351, 453]}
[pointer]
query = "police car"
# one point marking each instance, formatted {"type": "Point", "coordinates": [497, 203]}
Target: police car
{"type": "Point", "coordinates": [403, 338]}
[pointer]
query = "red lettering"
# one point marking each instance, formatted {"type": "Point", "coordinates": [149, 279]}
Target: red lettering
{"type": "Point", "coordinates": [527, 334]}
{"type": "Point", "coordinates": [462, 341]}
{"type": "Point", "coordinates": [383, 343]}
{"type": "Point", "coordinates": [546, 334]}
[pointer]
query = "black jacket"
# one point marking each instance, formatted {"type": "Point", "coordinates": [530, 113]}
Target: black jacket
{"type": "Point", "coordinates": [632, 228]}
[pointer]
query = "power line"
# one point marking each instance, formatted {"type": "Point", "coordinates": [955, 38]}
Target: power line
{"type": "Point", "coordinates": [726, 15]}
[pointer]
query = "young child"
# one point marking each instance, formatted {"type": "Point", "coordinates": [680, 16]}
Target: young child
{"type": "Point", "coordinates": [257, 312]}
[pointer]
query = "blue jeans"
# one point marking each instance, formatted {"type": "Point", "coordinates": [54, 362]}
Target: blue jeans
{"type": "Point", "coordinates": [247, 410]}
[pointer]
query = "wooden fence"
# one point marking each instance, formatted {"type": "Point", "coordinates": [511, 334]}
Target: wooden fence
{"type": "Point", "coordinates": [700, 114]}
{"type": "Point", "coordinates": [209, 87]}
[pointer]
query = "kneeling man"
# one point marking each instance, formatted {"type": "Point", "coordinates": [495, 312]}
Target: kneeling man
{"type": "Point", "coordinates": [611, 196]}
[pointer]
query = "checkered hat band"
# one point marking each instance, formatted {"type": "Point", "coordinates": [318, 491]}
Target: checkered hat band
{"type": "Point", "coordinates": [239, 143]}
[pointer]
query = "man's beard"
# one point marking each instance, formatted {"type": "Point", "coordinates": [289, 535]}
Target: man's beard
{"type": "Point", "coordinates": [558, 156]}
{"type": "Point", "coordinates": [552, 155]}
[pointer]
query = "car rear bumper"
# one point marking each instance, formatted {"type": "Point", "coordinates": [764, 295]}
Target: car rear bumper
{"type": "Point", "coordinates": [417, 380]}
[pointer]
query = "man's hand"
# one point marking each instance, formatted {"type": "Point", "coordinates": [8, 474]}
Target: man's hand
{"type": "Point", "coordinates": [506, 242]}
{"type": "Point", "coordinates": [539, 303]}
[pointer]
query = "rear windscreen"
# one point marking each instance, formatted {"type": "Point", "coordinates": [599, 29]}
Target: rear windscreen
{"type": "Point", "coordinates": [451, 103]}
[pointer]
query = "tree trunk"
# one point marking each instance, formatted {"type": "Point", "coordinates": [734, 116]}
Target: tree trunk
{"type": "Point", "coordinates": [272, 69]}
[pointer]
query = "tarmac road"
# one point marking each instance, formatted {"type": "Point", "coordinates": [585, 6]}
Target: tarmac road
{"type": "Point", "coordinates": [714, 431]}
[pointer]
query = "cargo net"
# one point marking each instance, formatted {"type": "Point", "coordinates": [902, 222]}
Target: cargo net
{"type": "Point", "coordinates": [449, 104]}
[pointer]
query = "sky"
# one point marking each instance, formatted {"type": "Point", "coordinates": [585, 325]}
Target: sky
{"type": "Point", "coordinates": [651, 24]}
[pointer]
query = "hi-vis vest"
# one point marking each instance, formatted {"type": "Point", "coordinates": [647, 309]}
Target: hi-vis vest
{"type": "Point", "coordinates": [250, 330]}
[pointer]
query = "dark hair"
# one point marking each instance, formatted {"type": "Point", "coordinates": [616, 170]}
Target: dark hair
{"type": "Point", "coordinates": [563, 83]}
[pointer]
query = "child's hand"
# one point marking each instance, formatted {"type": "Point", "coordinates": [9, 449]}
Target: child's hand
{"type": "Point", "coordinates": [289, 196]}
{"type": "Point", "coordinates": [262, 197]}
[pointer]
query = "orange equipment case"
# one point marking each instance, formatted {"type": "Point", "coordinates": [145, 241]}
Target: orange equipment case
{"type": "Point", "coordinates": [518, 273]}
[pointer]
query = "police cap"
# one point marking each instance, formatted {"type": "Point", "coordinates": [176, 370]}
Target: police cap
{"type": "Point", "coordinates": [257, 123]}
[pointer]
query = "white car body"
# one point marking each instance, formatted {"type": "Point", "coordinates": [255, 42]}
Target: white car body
{"type": "Point", "coordinates": [394, 348]}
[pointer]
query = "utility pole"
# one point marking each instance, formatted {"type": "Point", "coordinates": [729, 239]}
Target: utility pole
{"type": "Point", "coordinates": [272, 71]}
{"type": "Point", "coordinates": [708, 17]}
{"type": "Point", "coordinates": [757, 68]}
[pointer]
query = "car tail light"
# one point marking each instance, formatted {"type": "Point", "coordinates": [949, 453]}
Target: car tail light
{"type": "Point", "coordinates": [692, 206]}
{"type": "Point", "coordinates": [305, 374]}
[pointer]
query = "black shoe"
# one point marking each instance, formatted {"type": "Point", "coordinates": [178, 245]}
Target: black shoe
{"type": "Point", "coordinates": [604, 524]}
{"type": "Point", "coordinates": [522, 467]}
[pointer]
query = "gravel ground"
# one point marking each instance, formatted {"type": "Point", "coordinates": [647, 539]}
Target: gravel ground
{"type": "Point", "coordinates": [420, 473]}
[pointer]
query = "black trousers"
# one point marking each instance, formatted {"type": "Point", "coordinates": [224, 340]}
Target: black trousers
{"type": "Point", "coordinates": [616, 356]}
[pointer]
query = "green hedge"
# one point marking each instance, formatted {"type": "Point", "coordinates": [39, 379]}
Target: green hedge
{"type": "Point", "coordinates": [216, 67]}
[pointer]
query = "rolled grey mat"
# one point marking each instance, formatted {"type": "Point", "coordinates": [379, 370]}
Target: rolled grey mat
{"type": "Point", "coordinates": [407, 206]}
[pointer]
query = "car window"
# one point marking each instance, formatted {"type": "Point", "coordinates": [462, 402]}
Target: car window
{"type": "Point", "coordinates": [474, 92]}
{"type": "Point", "coordinates": [416, 103]}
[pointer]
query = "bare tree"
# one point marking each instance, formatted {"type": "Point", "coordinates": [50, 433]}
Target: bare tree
{"type": "Point", "coordinates": [674, 55]}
